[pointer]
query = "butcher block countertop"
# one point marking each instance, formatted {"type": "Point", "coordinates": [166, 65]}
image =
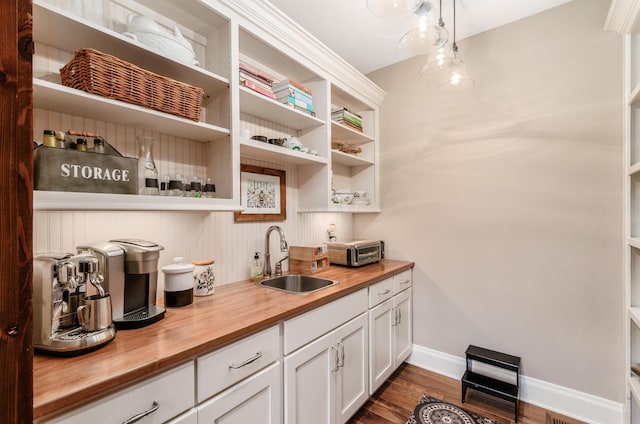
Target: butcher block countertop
{"type": "Point", "coordinates": [234, 311]}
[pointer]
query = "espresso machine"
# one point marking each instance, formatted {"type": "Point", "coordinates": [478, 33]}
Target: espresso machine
{"type": "Point", "coordinates": [130, 272]}
{"type": "Point", "coordinates": [72, 310]}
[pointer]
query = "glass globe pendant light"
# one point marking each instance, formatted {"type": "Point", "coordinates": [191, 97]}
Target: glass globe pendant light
{"type": "Point", "coordinates": [457, 79]}
{"type": "Point", "coordinates": [392, 8]}
{"type": "Point", "coordinates": [424, 38]}
{"type": "Point", "coordinates": [437, 66]}
{"type": "Point", "coordinates": [447, 66]}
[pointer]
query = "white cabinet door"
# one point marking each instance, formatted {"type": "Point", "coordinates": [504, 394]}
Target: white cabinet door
{"type": "Point", "coordinates": [403, 336]}
{"type": "Point", "coordinates": [190, 417]}
{"type": "Point", "coordinates": [352, 341]}
{"type": "Point", "coordinates": [390, 337]}
{"type": "Point", "coordinates": [309, 382]}
{"type": "Point", "coordinates": [381, 352]}
{"type": "Point", "coordinates": [257, 399]}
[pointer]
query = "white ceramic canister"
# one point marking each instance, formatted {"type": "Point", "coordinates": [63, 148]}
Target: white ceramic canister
{"type": "Point", "coordinates": [203, 277]}
{"type": "Point", "coordinates": [178, 283]}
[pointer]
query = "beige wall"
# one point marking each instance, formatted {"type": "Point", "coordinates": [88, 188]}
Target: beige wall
{"type": "Point", "coordinates": [509, 197]}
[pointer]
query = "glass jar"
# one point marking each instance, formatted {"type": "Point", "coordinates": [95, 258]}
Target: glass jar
{"type": "Point", "coordinates": [60, 140]}
{"type": "Point", "coordinates": [147, 171]}
{"type": "Point", "coordinates": [81, 145]}
{"type": "Point", "coordinates": [175, 186]}
{"type": "Point", "coordinates": [49, 138]}
{"type": "Point", "coordinates": [98, 145]}
{"type": "Point", "coordinates": [195, 186]}
{"type": "Point", "coordinates": [209, 190]}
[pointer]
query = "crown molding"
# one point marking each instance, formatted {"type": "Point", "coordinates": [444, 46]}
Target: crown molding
{"type": "Point", "coordinates": [623, 16]}
{"type": "Point", "coordinates": [267, 21]}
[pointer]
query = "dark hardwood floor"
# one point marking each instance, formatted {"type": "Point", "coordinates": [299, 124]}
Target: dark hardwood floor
{"type": "Point", "coordinates": [393, 403]}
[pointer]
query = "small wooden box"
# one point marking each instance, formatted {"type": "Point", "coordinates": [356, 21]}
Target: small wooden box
{"type": "Point", "coordinates": [308, 259]}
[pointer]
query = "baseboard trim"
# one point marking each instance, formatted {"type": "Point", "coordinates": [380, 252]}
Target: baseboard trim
{"type": "Point", "coordinates": [566, 401]}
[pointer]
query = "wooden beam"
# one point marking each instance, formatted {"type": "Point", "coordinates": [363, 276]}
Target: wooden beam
{"type": "Point", "coordinates": [16, 216]}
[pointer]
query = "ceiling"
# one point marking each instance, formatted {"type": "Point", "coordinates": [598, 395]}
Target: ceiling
{"type": "Point", "coordinates": [370, 43]}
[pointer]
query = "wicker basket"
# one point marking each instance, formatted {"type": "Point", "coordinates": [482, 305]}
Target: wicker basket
{"type": "Point", "coordinates": [108, 76]}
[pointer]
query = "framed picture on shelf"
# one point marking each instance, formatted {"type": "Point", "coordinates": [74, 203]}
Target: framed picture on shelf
{"type": "Point", "coordinates": [263, 193]}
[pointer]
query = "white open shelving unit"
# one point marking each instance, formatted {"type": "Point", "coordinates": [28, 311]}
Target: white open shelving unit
{"type": "Point", "coordinates": [623, 17]}
{"type": "Point", "coordinates": [223, 33]}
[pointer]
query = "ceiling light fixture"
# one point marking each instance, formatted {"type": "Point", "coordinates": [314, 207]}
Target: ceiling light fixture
{"type": "Point", "coordinates": [392, 8]}
{"type": "Point", "coordinates": [424, 38]}
{"type": "Point", "coordinates": [436, 66]}
{"type": "Point", "coordinates": [447, 66]}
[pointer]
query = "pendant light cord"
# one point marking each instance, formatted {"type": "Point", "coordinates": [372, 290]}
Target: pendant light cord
{"type": "Point", "coordinates": [441, 22]}
{"type": "Point", "coordinates": [454, 45]}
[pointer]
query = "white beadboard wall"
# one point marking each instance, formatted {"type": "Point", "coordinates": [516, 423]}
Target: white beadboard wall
{"type": "Point", "coordinates": [192, 235]}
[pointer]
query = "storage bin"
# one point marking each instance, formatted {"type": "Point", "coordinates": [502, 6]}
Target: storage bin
{"type": "Point", "coordinates": [58, 169]}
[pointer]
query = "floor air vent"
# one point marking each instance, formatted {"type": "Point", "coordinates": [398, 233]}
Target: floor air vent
{"type": "Point", "coordinates": [553, 418]}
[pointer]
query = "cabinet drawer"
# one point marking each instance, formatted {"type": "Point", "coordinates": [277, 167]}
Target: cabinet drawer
{"type": "Point", "coordinates": [300, 330]}
{"type": "Point", "coordinates": [224, 367]}
{"type": "Point", "coordinates": [401, 281]}
{"type": "Point", "coordinates": [173, 390]}
{"type": "Point", "coordinates": [380, 292]}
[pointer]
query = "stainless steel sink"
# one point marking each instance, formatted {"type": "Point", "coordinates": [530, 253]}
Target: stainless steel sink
{"type": "Point", "coordinates": [297, 283]}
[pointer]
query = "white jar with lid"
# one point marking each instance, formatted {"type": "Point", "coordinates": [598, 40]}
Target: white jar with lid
{"type": "Point", "coordinates": [203, 277]}
{"type": "Point", "coordinates": [178, 285]}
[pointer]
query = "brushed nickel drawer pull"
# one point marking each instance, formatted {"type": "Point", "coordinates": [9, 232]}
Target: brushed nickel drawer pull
{"type": "Point", "coordinates": [341, 351]}
{"type": "Point", "coordinates": [405, 282]}
{"type": "Point", "coordinates": [336, 362]}
{"type": "Point", "coordinates": [154, 406]}
{"type": "Point", "coordinates": [254, 358]}
{"type": "Point", "coordinates": [387, 291]}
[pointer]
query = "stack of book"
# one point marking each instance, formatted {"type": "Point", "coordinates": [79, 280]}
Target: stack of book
{"type": "Point", "coordinates": [295, 95]}
{"type": "Point", "coordinates": [349, 119]}
{"type": "Point", "coordinates": [256, 80]}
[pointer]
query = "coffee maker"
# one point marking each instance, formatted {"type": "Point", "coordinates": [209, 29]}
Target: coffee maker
{"type": "Point", "coordinates": [72, 310]}
{"type": "Point", "coordinates": [130, 271]}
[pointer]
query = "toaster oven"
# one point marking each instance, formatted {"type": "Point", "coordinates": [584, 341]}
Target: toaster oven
{"type": "Point", "coordinates": [356, 253]}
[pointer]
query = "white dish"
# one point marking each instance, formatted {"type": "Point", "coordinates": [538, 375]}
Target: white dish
{"type": "Point", "coordinates": [148, 32]}
{"type": "Point", "coordinates": [360, 194]}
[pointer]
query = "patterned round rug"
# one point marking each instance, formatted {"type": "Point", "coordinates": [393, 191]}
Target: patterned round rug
{"type": "Point", "coordinates": [435, 411]}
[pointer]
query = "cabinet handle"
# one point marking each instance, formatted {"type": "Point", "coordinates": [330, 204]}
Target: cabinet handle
{"type": "Point", "coordinates": [254, 358]}
{"type": "Point", "coordinates": [387, 291]}
{"type": "Point", "coordinates": [405, 282]}
{"type": "Point", "coordinates": [336, 362]}
{"type": "Point", "coordinates": [154, 406]}
{"type": "Point", "coordinates": [341, 350]}
{"type": "Point", "coordinates": [397, 316]}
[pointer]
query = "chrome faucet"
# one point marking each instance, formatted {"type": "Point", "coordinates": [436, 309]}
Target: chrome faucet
{"type": "Point", "coordinates": [267, 255]}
